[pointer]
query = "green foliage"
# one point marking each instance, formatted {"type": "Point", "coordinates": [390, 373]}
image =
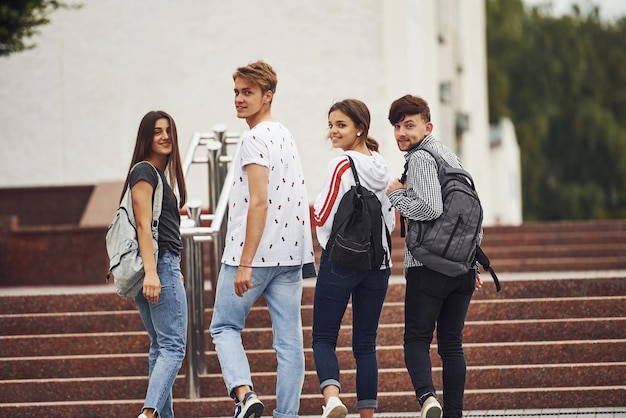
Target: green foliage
{"type": "Point", "coordinates": [19, 19]}
{"type": "Point", "coordinates": [562, 82]}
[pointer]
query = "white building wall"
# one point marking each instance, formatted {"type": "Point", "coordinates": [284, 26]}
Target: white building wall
{"type": "Point", "coordinates": [70, 108]}
{"type": "Point", "coordinates": [505, 172]}
{"type": "Point", "coordinates": [472, 79]}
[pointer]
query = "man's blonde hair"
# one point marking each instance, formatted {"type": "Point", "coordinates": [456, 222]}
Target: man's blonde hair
{"type": "Point", "coordinates": [260, 73]}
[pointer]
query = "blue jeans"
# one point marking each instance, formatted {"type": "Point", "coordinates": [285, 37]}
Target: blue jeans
{"type": "Point", "coordinates": [433, 298]}
{"type": "Point", "coordinates": [166, 323]}
{"type": "Point", "coordinates": [334, 286]}
{"type": "Point", "coordinates": [282, 289]}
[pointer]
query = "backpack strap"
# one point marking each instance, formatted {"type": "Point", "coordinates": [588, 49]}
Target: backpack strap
{"type": "Point", "coordinates": [157, 201]}
{"type": "Point", "coordinates": [403, 221]}
{"type": "Point", "coordinates": [358, 183]}
{"type": "Point", "coordinates": [441, 162]}
{"type": "Point", "coordinates": [483, 260]}
{"type": "Point", "coordinates": [353, 167]}
{"type": "Point", "coordinates": [438, 160]}
{"type": "Point", "coordinates": [387, 256]}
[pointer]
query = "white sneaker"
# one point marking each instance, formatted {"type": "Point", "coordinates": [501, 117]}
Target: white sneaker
{"type": "Point", "coordinates": [142, 415]}
{"type": "Point", "coordinates": [334, 408]}
{"type": "Point", "coordinates": [431, 408]}
{"type": "Point", "coordinates": [249, 407]}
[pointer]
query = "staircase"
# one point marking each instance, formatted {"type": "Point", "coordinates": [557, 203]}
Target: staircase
{"type": "Point", "coordinates": [557, 246]}
{"type": "Point", "coordinates": [546, 246]}
{"type": "Point", "coordinates": [548, 340]}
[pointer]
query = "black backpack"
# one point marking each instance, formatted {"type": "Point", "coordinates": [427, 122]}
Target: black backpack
{"type": "Point", "coordinates": [355, 240]}
{"type": "Point", "coordinates": [449, 244]}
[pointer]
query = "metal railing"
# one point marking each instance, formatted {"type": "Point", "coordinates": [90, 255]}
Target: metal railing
{"type": "Point", "coordinates": [198, 228]}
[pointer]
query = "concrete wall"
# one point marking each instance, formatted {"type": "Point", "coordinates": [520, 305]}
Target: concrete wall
{"type": "Point", "coordinates": [506, 175]}
{"type": "Point", "coordinates": [70, 108]}
{"type": "Point", "coordinates": [39, 206]}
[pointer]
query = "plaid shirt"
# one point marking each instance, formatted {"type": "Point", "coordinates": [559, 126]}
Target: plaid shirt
{"type": "Point", "coordinates": [421, 200]}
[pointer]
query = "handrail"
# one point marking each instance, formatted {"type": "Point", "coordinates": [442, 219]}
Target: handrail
{"type": "Point", "coordinates": [220, 177]}
{"type": "Point", "coordinates": [199, 232]}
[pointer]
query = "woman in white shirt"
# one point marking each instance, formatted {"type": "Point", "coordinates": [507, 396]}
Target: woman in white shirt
{"type": "Point", "coordinates": [348, 126]}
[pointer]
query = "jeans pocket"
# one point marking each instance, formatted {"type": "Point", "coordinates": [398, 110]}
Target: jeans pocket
{"type": "Point", "coordinates": [342, 272]}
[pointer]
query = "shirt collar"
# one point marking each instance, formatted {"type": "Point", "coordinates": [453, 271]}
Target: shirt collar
{"type": "Point", "coordinates": [429, 139]}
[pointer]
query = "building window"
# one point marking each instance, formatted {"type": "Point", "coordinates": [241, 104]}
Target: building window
{"type": "Point", "coordinates": [445, 92]}
{"type": "Point", "coordinates": [461, 123]}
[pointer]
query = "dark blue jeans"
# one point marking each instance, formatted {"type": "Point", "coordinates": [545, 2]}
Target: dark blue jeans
{"type": "Point", "coordinates": [435, 299]}
{"type": "Point", "coordinates": [335, 285]}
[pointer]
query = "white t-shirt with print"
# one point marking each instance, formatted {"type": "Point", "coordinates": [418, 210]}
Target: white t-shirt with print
{"type": "Point", "coordinates": [287, 239]}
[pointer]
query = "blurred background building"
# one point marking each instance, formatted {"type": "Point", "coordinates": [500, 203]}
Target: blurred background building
{"type": "Point", "coordinates": [70, 107]}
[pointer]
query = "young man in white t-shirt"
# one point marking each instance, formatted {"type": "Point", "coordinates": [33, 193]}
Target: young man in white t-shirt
{"type": "Point", "coordinates": [268, 249]}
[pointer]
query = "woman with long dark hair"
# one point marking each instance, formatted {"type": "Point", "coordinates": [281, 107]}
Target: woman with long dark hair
{"type": "Point", "coordinates": [161, 303]}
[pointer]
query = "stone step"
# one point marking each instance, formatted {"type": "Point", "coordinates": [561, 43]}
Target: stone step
{"type": "Point", "coordinates": [547, 340]}
{"type": "Point", "coordinates": [264, 360]}
{"type": "Point", "coordinates": [546, 308]}
{"type": "Point", "coordinates": [74, 366]}
{"type": "Point", "coordinates": [56, 244]}
{"type": "Point", "coordinates": [480, 331]}
{"type": "Point", "coordinates": [211, 385]}
{"type": "Point", "coordinates": [479, 378]}
{"type": "Point", "coordinates": [388, 334]}
{"type": "Point", "coordinates": [389, 402]}
{"type": "Point", "coordinates": [71, 322]}
{"type": "Point", "coordinates": [598, 250]}
{"type": "Point", "coordinates": [73, 344]}
{"type": "Point", "coordinates": [476, 354]}
{"type": "Point", "coordinates": [553, 285]}
{"type": "Point", "coordinates": [546, 247]}
{"type": "Point", "coordinates": [482, 309]}
{"type": "Point", "coordinates": [79, 299]}
{"type": "Point", "coordinates": [582, 238]}
{"type": "Point", "coordinates": [521, 263]}
{"type": "Point", "coordinates": [558, 264]}
{"type": "Point", "coordinates": [558, 226]}
{"type": "Point", "coordinates": [548, 233]}
{"type": "Point", "coordinates": [393, 312]}
{"type": "Point", "coordinates": [514, 286]}
{"type": "Point", "coordinates": [548, 254]}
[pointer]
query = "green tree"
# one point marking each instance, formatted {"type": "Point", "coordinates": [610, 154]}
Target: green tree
{"type": "Point", "coordinates": [561, 81]}
{"type": "Point", "coordinates": [19, 19]}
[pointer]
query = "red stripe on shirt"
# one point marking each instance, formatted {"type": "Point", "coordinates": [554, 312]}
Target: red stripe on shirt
{"type": "Point", "coordinates": [333, 192]}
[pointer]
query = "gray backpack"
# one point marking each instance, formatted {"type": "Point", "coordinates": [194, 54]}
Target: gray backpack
{"type": "Point", "coordinates": [449, 244]}
{"type": "Point", "coordinates": [125, 264]}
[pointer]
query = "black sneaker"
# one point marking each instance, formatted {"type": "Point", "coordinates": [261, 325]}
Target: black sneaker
{"type": "Point", "coordinates": [250, 407]}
